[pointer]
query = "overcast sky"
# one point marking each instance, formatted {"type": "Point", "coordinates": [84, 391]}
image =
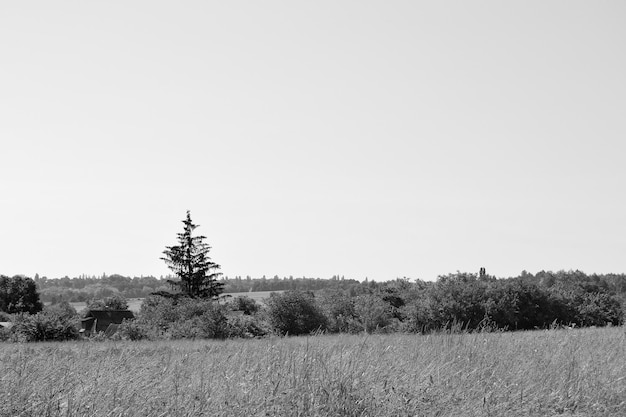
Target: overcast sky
{"type": "Point", "coordinates": [367, 139]}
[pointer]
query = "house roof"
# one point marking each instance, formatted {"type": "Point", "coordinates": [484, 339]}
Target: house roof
{"type": "Point", "coordinates": [6, 324]}
{"type": "Point", "coordinates": [105, 320]}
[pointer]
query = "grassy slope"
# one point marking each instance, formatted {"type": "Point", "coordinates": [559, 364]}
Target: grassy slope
{"type": "Point", "coordinates": [578, 372]}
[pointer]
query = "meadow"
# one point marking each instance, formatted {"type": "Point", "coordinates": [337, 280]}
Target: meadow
{"type": "Point", "coordinates": [539, 373]}
{"type": "Point", "coordinates": [258, 296]}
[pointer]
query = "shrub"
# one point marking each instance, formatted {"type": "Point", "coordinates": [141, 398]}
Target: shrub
{"type": "Point", "coordinates": [420, 316]}
{"type": "Point", "coordinates": [44, 326]}
{"type": "Point", "coordinates": [245, 304]}
{"type": "Point", "coordinates": [339, 311]}
{"type": "Point", "coordinates": [200, 320]}
{"type": "Point", "coordinates": [246, 326]}
{"type": "Point", "coordinates": [517, 305]}
{"type": "Point", "coordinates": [158, 312]}
{"type": "Point", "coordinates": [181, 318]}
{"type": "Point", "coordinates": [294, 313]}
{"type": "Point", "coordinates": [599, 309]}
{"type": "Point", "coordinates": [132, 330]}
{"type": "Point", "coordinates": [373, 312]}
{"type": "Point", "coordinates": [187, 329]}
{"type": "Point", "coordinates": [458, 298]}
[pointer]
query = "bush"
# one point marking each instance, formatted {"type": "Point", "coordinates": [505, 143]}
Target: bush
{"type": "Point", "coordinates": [211, 323]}
{"type": "Point", "coordinates": [458, 298]}
{"type": "Point", "coordinates": [420, 316]}
{"type": "Point", "coordinates": [158, 312]}
{"type": "Point", "coordinates": [180, 318]}
{"type": "Point", "coordinates": [44, 326]}
{"type": "Point", "coordinates": [373, 312]}
{"type": "Point", "coordinates": [338, 308]}
{"type": "Point", "coordinates": [246, 326]}
{"type": "Point", "coordinates": [599, 309]}
{"type": "Point", "coordinates": [245, 304]}
{"type": "Point", "coordinates": [132, 330]}
{"type": "Point", "coordinates": [295, 313]}
{"type": "Point", "coordinates": [516, 305]}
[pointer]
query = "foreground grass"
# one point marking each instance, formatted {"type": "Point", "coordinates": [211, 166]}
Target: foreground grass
{"type": "Point", "coordinates": [542, 373]}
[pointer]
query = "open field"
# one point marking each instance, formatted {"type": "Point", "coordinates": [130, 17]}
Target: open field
{"type": "Point", "coordinates": [258, 296]}
{"type": "Point", "coordinates": [541, 373]}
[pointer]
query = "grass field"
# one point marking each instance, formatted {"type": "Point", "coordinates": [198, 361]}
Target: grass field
{"type": "Point", "coordinates": [541, 373]}
{"type": "Point", "coordinates": [258, 296]}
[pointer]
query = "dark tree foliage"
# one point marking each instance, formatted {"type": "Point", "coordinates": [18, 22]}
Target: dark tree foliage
{"type": "Point", "coordinates": [373, 312]}
{"type": "Point", "coordinates": [245, 304]}
{"type": "Point", "coordinates": [518, 305]}
{"type": "Point", "coordinates": [459, 297]}
{"type": "Point", "coordinates": [338, 307]}
{"type": "Point", "coordinates": [19, 295]}
{"type": "Point", "coordinates": [44, 326]}
{"type": "Point", "coordinates": [190, 261]}
{"type": "Point", "coordinates": [598, 309]}
{"type": "Point", "coordinates": [294, 313]}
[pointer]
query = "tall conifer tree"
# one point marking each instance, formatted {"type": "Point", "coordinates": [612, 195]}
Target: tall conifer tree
{"type": "Point", "coordinates": [190, 261]}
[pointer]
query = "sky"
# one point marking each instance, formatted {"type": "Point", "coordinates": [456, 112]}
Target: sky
{"type": "Point", "coordinates": [365, 139]}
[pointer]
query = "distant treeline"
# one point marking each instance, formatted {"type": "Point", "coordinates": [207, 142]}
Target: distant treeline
{"type": "Point", "coordinates": [85, 288]}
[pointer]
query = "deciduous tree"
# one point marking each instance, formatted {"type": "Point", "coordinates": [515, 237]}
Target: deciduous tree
{"type": "Point", "coordinates": [19, 295]}
{"type": "Point", "coordinates": [294, 313]}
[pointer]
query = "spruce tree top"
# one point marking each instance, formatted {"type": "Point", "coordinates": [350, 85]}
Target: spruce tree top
{"type": "Point", "coordinates": [190, 261]}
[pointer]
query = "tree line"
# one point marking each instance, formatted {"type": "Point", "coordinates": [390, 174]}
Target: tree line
{"type": "Point", "coordinates": [462, 301]}
{"type": "Point", "coordinates": [82, 289]}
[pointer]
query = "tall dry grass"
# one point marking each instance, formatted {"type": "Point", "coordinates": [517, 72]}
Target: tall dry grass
{"type": "Point", "coordinates": [557, 372]}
